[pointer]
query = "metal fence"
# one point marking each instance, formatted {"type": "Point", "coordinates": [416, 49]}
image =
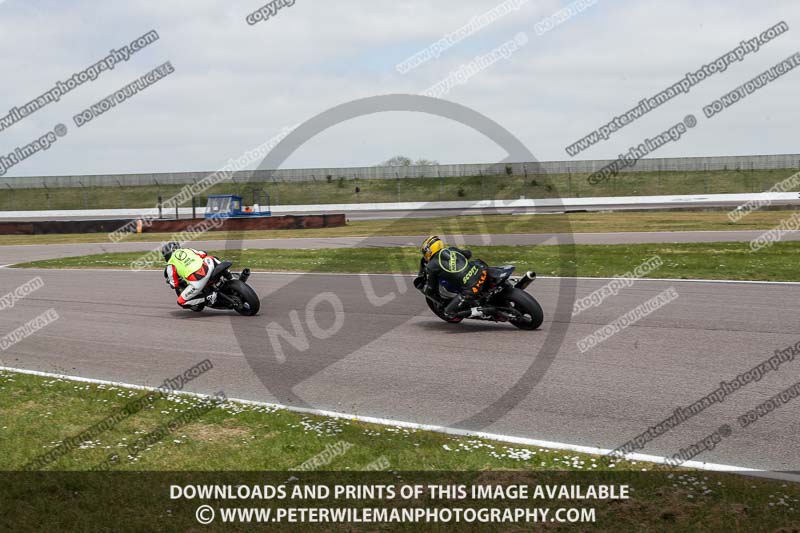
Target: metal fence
{"type": "Point", "coordinates": [685, 164]}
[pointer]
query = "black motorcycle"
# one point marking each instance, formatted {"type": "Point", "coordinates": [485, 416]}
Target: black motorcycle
{"type": "Point", "coordinates": [232, 290]}
{"type": "Point", "coordinates": [503, 299]}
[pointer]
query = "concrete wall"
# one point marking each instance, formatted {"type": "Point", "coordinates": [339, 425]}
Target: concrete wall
{"type": "Point", "coordinates": [753, 162]}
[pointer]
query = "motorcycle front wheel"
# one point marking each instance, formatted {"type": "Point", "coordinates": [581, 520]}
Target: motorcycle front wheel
{"type": "Point", "coordinates": [439, 311]}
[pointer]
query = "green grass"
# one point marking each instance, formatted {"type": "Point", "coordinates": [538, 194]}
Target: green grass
{"type": "Point", "coordinates": [342, 190]}
{"type": "Point", "coordinates": [470, 225]}
{"type": "Point", "coordinates": [39, 412]}
{"type": "Point", "coordinates": [732, 261]}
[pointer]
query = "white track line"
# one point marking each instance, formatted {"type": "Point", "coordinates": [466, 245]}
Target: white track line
{"type": "Point", "coordinates": [427, 427]}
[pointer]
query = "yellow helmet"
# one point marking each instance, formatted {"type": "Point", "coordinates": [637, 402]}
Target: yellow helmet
{"type": "Point", "coordinates": [431, 246]}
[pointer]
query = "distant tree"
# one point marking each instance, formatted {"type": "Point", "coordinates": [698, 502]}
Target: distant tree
{"type": "Point", "coordinates": [403, 161]}
{"type": "Point", "coordinates": [397, 161]}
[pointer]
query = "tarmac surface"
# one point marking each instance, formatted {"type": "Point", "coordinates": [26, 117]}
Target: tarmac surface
{"type": "Point", "coordinates": [368, 345]}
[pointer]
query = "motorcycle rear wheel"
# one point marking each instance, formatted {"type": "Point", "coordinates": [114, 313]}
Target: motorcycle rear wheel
{"type": "Point", "coordinates": [250, 304]}
{"type": "Point", "coordinates": [527, 305]}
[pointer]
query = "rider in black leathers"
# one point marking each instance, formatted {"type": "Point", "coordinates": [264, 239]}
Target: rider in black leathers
{"type": "Point", "coordinates": [462, 275]}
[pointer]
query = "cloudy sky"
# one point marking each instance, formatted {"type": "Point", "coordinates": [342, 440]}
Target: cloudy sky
{"type": "Point", "coordinates": [236, 85]}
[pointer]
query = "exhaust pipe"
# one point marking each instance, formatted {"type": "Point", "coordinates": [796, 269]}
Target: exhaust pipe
{"type": "Point", "coordinates": [244, 275]}
{"type": "Point", "coordinates": [525, 280]}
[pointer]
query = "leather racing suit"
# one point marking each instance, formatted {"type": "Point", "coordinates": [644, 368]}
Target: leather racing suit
{"type": "Point", "coordinates": [188, 272]}
{"type": "Point", "coordinates": [457, 274]}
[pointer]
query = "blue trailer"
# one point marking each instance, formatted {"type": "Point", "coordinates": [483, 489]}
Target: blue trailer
{"type": "Point", "coordinates": [231, 206]}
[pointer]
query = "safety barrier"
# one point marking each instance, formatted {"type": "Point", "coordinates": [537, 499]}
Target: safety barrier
{"type": "Point", "coordinates": [688, 164]}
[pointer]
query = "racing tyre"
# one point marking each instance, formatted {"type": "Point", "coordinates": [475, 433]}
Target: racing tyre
{"type": "Point", "coordinates": [438, 311]}
{"type": "Point", "coordinates": [527, 305]}
{"type": "Point", "coordinates": [249, 304]}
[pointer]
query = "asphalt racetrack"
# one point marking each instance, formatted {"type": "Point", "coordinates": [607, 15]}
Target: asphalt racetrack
{"type": "Point", "coordinates": [398, 361]}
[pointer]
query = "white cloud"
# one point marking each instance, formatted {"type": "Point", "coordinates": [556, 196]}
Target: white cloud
{"type": "Point", "coordinates": [237, 85]}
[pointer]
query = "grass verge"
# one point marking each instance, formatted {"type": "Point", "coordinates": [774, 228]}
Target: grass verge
{"type": "Point", "coordinates": [39, 413]}
{"type": "Point", "coordinates": [466, 225]}
{"type": "Point", "coordinates": [728, 261]}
